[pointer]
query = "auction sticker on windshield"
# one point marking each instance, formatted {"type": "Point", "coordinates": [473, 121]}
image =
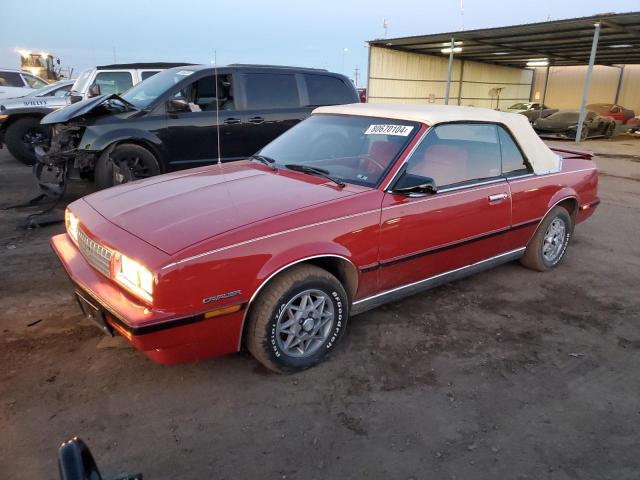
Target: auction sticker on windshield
{"type": "Point", "coordinates": [400, 130]}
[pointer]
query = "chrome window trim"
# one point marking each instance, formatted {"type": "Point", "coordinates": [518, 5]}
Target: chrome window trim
{"type": "Point", "coordinates": [470, 185]}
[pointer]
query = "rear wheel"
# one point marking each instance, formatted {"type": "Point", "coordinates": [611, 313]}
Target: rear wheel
{"type": "Point", "coordinates": [549, 244]}
{"type": "Point", "coordinates": [611, 128]}
{"type": "Point", "coordinates": [21, 135]}
{"type": "Point", "coordinates": [125, 163]}
{"type": "Point", "coordinates": [584, 133]}
{"type": "Point", "coordinates": [297, 319]}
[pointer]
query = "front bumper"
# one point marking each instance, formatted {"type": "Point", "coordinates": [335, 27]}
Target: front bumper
{"type": "Point", "coordinates": [164, 338]}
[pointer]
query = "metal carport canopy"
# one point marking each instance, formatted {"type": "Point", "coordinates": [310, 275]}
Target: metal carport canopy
{"type": "Point", "coordinates": [608, 39]}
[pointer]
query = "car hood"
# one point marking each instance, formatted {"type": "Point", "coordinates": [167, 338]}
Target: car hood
{"type": "Point", "coordinates": [94, 106]}
{"type": "Point", "coordinates": [174, 211]}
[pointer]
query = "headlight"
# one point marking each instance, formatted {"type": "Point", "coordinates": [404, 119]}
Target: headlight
{"type": "Point", "coordinates": [71, 221]}
{"type": "Point", "coordinates": [133, 276]}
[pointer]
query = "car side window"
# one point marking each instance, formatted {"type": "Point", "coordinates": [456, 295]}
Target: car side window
{"type": "Point", "coordinates": [591, 116]}
{"type": "Point", "coordinates": [11, 79]}
{"type": "Point", "coordinates": [457, 153]}
{"type": "Point", "coordinates": [513, 162]}
{"type": "Point", "coordinates": [33, 82]}
{"type": "Point", "coordinates": [113, 82]}
{"type": "Point", "coordinates": [61, 92]}
{"type": "Point", "coordinates": [271, 90]}
{"type": "Point", "coordinates": [326, 90]}
{"type": "Point", "coordinates": [147, 73]}
{"type": "Point", "coordinates": [201, 94]}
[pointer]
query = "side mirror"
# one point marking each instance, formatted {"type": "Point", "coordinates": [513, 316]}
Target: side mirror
{"type": "Point", "coordinates": [414, 186]}
{"type": "Point", "coordinates": [75, 462]}
{"type": "Point", "coordinates": [75, 98]}
{"type": "Point", "coordinates": [176, 105]}
{"type": "Point", "coordinates": [94, 90]}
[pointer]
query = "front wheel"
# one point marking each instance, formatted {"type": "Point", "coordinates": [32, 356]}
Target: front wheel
{"type": "Point", "coordinates": [298, 319]}
{"type": "Point", "coordinates": [549, 244]}
{"type": "Point", "coordinates": [125, 163]}
{"type": "Point", "coordinates": [609, 131]}
{"type": "Point", "coordinates": [21, 136]}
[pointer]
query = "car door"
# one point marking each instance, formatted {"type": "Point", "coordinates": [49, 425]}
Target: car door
{"type": "Point", "coordinates": [113, 81]}
{"type": "Point", "coordinates": [464, 222]}
{"type": "Point", "coordinates": [272, 106]}
{"type": "Point", "coordinates": [191, 137]}
{"type": "Point", "coordinates": [12, 85]}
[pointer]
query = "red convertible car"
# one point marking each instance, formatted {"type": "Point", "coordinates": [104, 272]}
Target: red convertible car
{"type": "Point", "coordinates": [354, 207]}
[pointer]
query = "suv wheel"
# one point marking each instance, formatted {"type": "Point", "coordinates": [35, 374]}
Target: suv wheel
{"type": "Point", "coordinates": [125, 163]}
{"type": "Point", "coordinates": [297, 319]}
{"type": "Point", "coordinates": [20, 136]}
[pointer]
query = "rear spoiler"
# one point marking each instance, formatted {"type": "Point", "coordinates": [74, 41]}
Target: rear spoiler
{"type": "Point", "coordinates": [573, 153]}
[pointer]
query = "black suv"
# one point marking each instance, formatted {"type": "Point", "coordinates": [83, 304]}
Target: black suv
{"type": "Point", "coordinates": [168, 122]}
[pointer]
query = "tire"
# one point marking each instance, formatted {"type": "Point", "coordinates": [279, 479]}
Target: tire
{"type": "Point", "coordinates": [19, 147]}
{"type": "Point", "coordinates": [611, 128]}
{"type": "Point", "coordinates": [584, 134]}
{"type": "Point", "coordinates": [264, 336]}
{"type": "Point", "coordinates": [534, 256]}
{"type": "Point", "coordinates": [135, 162]}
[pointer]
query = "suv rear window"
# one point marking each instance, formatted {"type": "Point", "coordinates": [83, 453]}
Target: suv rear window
{"type": "Point", "coordinates": [271, 90]}
{"type": "Point", "coordinates": [113, 82]}
{"type": "Point", "coordinates": [327, 90]}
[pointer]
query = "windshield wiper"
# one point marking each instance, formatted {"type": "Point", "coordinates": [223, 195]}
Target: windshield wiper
{"type": "Point", "coordinates": [315, 171]}
{"type": "Point", "coordinates": [268, 161]}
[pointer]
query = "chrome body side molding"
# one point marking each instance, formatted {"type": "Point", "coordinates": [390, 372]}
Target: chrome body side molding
{"type": "Point", "coordinates": [403, 291]}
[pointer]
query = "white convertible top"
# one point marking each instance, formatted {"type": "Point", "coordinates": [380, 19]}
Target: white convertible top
{"type": "Point", "coordinates": [541, 158]}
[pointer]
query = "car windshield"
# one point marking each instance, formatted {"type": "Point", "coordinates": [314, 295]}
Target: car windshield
{"type": "Point", "coordinates": [351, 149]}
{"type": "Point", "coordinates": [81, 82]}
{"type": "Point", "coordinates": [144, 93]}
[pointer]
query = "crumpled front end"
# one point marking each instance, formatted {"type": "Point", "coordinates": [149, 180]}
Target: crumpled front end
{"type": "Point", "coordinates": [59, 157]}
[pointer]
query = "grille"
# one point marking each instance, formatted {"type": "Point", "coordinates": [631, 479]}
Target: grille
{"type": "Point", "coordinates": [99, 257]}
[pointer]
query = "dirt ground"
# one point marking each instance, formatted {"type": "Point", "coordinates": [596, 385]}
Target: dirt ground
{"type": "Point", "coordinates": [510, 374]}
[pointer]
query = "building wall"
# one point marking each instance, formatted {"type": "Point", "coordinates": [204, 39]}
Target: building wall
{"type": "Point", "coordinates": [405, 77]}
{"type": "Point", "coordinates": [564, 89]}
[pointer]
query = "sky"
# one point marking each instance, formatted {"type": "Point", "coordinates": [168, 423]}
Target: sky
{"type": "Point", "coordinates": [329, 34]}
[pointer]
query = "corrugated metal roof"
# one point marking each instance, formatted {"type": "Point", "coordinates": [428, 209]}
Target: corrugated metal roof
{"type": "Point", "coordinates": [562, 42]}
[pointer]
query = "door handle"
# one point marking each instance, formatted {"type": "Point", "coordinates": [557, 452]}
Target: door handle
{"type": "Point", "coordinates": [497, 197]}
{"type": "Point", "coordinates": [232, 121]}
{"type": "Point", "coordinates": [256, 120]}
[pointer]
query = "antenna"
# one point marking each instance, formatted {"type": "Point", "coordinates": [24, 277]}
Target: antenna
{"type": "Point", "coordinates": [215, 71]}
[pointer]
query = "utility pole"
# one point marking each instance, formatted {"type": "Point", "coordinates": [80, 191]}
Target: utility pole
{"type": "Point", "coordinates": [385, 26]}
{"type": "Point", "coordinates": [356, 75]}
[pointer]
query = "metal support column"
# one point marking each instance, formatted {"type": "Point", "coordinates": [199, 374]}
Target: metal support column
{"type": "Point", "coordinates": [448, 90]}
{"type": "Point", "coordinates": [619, 84]}
{"type": "Point", "coordinates": [544, 93]}
{"type": "Point", "coordinates": [460, 82]}
{"type": "Point", "coordinates": [587, 81]}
